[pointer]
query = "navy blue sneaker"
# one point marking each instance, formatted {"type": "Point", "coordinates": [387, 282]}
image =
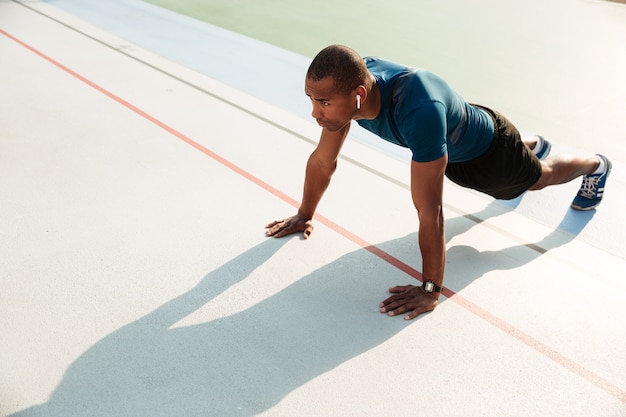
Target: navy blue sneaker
{"type": "Point", "coordinates": [545, 148]}
{"type": "Point", "coordinates": [592, 188]}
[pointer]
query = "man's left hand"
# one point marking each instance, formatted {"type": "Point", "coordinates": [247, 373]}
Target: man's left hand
{"type": "Point", "coordinates": [409, 298]}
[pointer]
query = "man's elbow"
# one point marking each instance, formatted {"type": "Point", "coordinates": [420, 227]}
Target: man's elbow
{"type": "Point", "coordinates": [326, 167]}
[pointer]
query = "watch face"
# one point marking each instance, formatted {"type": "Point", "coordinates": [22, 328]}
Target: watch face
{"type": "Point", "coordinates": [429, 287]}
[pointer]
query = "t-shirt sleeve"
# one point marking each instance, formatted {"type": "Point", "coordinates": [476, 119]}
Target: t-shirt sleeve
{"type": "Point", "coordinates": [424, 129]}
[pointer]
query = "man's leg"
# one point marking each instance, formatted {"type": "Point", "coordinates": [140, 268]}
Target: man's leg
{"type": "Point", "coordinates": [560, 169]}
{"type": "Point", "coordinates": [521, 172]}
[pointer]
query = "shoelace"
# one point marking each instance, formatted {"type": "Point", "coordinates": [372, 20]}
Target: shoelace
{"type": "Point", "coordinates": [588, 188]}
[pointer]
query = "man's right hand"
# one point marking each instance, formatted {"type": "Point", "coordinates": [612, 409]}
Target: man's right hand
{"type": "Point", "coordinates": [293, 224]}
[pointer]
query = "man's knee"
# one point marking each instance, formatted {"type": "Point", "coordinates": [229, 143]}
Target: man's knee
{"type": "Point", "coordinates": [544, 179]}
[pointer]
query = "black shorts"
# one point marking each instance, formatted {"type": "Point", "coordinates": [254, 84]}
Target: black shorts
{"type": "Point", "coordinates": [506, 170]}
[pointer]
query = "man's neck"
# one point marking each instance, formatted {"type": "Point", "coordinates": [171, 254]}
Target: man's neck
{"type": "Point", "coordinates": [372, 105]}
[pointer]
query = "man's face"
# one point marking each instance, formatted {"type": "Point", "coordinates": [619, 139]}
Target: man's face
{"type": "Point", "coordinates": [331, 109]}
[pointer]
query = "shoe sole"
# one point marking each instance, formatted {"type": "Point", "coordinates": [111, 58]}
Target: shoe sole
{"type": "Point", "coordinates": [579, 208]}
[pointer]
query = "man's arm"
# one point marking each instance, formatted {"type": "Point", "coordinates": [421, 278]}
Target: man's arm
{"type": "Point", "coordinates": [427, 192]}
{"type": "Point", "coordinates": [320, 168]}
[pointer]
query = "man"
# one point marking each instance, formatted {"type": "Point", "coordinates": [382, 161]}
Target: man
{"type": "Point", "coordinates": [473, 146]}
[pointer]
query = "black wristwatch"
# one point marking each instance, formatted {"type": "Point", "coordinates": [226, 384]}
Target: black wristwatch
{"type": "Point", "coordinates": [429, 286]}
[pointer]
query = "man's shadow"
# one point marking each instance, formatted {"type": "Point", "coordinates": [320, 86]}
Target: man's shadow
{"type": "Point", "coordinates": [467, 264]}
{"type": "Point", "coordinates": [238, 365]}
{"type": "Point", "coordinates": [245, 363]}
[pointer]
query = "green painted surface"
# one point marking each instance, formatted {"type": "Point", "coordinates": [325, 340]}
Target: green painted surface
{"type": "Point", "coordinates": [396, 29]}
{"type": "Point", "coordinates": [299, 26]}
{"type": "Point", "coordinates": [554, 67]}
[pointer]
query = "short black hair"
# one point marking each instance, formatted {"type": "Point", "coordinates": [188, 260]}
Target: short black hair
{"type": "Point", "coordinates": [344, 64]}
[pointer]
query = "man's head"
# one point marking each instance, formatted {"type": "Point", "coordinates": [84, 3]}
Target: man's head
{"type": "Point", "coordinates": [344, 65]}
{"type": "Point", "coordinates": [337, 83]}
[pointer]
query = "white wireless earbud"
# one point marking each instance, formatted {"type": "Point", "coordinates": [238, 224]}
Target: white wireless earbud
{"type": "Point", "coordinates": [358, 102]}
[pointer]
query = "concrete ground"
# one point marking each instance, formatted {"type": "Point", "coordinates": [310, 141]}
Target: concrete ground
{"type": "Point", "coordinates": [137, 281]}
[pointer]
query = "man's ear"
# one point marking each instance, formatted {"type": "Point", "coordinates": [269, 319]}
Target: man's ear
{"type": "Point", "coordinates": [361, 96]}
{"type": "Point", "coordinates": [361, 91]}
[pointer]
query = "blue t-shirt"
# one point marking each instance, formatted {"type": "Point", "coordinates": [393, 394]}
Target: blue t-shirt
{"type": "Point", "coordinates": [421, 112]}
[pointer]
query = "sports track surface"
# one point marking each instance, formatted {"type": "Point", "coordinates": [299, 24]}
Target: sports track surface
{"type": "Point", "coordinates": [137, 281]}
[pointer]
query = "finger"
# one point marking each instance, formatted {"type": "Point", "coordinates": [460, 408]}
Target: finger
{"type": "Point", "coordinates": [416, 313]}
{"type": "Point", "coordinates": [400, 289]}
{"type": "Point", "coordinates": [392, 304]}
{"type": "Point", "coordinates": [273, 230]}
{"type": "Point", "coordinates": [282, 232]}
{"type": "Point", "coordinates": [286, 230]}
{"type": "Point", "coordinates": [307, 231]}
{"type": "Point", "coordinates": [388, 301]}
{"type": "Point", "coordinates": [396, 311]}
{"type": "Point", "coordinates": [274, 223]}
{"type": "Point", "coordinates": [400, 292]}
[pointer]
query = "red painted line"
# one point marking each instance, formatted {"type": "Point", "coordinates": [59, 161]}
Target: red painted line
{"type": "Point", "coordinates": [507, 328]}
{"type": "Point", "coordinates": [160, 124]}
